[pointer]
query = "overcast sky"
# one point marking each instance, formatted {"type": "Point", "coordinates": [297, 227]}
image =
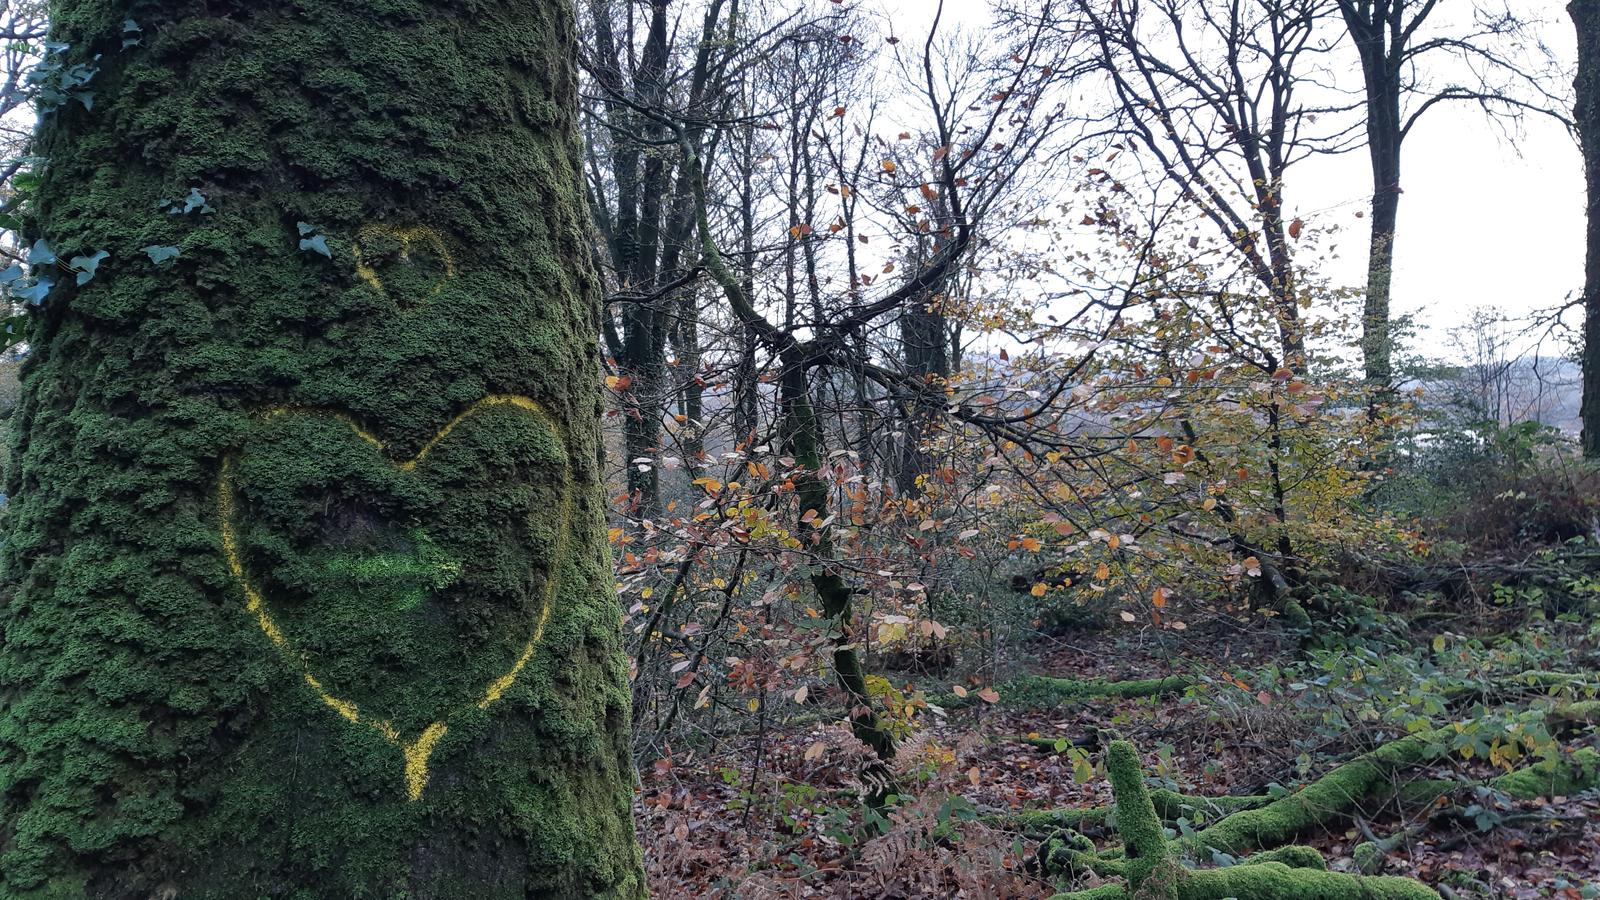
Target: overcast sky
{"type": "Point", "coordinates": [1485, 221]}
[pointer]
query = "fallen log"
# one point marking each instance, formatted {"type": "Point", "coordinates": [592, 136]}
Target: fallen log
{"type": "Point", "coordinates": [1152, 870]}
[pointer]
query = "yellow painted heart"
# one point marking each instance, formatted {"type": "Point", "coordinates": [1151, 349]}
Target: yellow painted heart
{"type": "Point", "coordinates": [421, 560]}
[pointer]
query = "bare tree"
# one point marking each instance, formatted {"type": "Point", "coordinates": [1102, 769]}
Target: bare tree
{"type": "Point", "coordinates": [1227, 98]}
{"type": "Point", "coordinates": [638, 68]}
{"type": "Point", "coordinates": [812, 332]}
{"type": "Point", "coordinates": [1414, 58]}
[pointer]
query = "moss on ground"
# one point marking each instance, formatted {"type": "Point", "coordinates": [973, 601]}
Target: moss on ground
{"type": "Point", "coordinates": [1152, 870]}
{"type": "Point", "coordinates": [1044, 691]}
{"type": "Point", "coordinates": [1169, 805]}
{"type": "Point", "coordinates": [1567, 774]}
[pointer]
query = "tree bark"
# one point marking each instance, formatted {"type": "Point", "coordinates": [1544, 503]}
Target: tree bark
{"type": "Point", "coordinates": [1586, 16]}
{"type": "Point", "coordinates": [1380, 38]}
{"type": "Point", "coordinates": [304, 589]}
{"type": "Point", "coordinates": [1383, 145]}
{"type": "Point", "coordinates": [923, 342]}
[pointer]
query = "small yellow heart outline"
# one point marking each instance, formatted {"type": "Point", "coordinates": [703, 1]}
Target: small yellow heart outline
{"type": "Point", "coordinates": [408, 236]}
{"type": "Point", "coordinates": [416, 752]}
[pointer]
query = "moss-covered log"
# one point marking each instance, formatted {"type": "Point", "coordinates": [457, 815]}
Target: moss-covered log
{"type": "Point", "coordinates": [1169, 805]}
{"type": "Point", "coordinates": [1043, 691]}
{"type": "Point", "coordinates": [1568, 773]}
{"type": "Point", "coordinates": [305, 585]}
{"type": "Point", "coordinates": [1365, 779]}
{"type": "Point", "coordinates": [1152, 870]}
{"type": "Point", "coordinates": [1369, 780]}
{"type": "Point", "coordinates": [1565, 774]}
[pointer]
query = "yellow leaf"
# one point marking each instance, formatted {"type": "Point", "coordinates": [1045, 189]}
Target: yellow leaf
{"type": "Point", "coordinates": [1040, 589]}
{"type": "Point", "coordinates": [889, 166]}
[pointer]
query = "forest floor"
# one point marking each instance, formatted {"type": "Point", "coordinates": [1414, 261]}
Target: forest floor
{"type": "Point", "coordinates": [772, 811]}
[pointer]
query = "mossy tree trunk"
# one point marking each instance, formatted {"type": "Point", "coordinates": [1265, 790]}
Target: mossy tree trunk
{"type": "Point", "coordinates": [1586, 16]}
{"type": "Point", "coordinates": [306, 591]}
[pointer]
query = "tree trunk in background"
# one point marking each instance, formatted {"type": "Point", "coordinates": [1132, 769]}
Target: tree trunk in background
{"type": "Point", "coordinates": [643, 175]}
{"type": "Point", "coordinates": [1377, 339]}
{"type": "Point", "coordinates": [1586, 15]}
{"type": "Point", "coordinates": [1381, 48]}
{"type": "Point", "coordinates": [923, 337]}
{"type": "Point", "coordinates": [305, 585]}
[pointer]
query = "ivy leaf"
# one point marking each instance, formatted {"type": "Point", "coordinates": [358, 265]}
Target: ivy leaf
{"type": "Point", "coordinates": [318, 244]}
{"type": "Point", "coordinates": [305, 228]}
{"type": "Point", "coordinates": [87, 266]}
{"type": "Point", "coordinates": [159, 254]}
{"type": "Point", "coordinates": [36, 292]}
{"type": "Point", "coordinates": [11, 275]}
{"type": "Point", "coordinates": [41, 254]}
{"type": "Point", "coordinates": [132, 34]}
{"type": "Point", "coordinates": [196, 200]}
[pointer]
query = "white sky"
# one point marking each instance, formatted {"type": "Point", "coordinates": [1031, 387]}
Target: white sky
{"type": "Point", "coordinates": [1483, 221]}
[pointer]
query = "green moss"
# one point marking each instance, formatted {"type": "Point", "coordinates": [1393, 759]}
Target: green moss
{"type": "Point", "coordinates": [1198, 810]}
{"type": "Point", "coordinates": [1104, 892]}
{"type": "Point", "coordinates": [150, 721]}
{"type": "Point", "coordinates": [1294, 856]}
{"type": "Point", "coordinates": [1152, 870]}
{"type": "Point", "coordinates": [1330, 797]}
{"type": "Point", "coordinates": [1368, 857]}
{"type": "Point", "coordinates": [1368, 780]}
{"type": "Point", "coordinates": [1295, 616]}
{"type": "Point", "coordinates": [1141, 831]}
{"type": "Point", "coordinates": [1067, 852]}
{"type": "Point", "coordinates": [1044, 821]}
{"type": "Point", "coordinates": [1276, 881]}
{"type": "Point", "coordinates": [1169, 805]}
{"type": "Point", "coordinates": [1568, 774]}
